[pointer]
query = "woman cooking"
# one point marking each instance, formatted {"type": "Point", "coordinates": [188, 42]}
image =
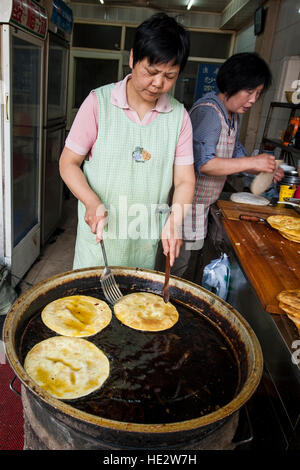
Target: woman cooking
{"type": "Point", "coordinates": [217, 150]}
{"type": "Point", "coordinates": [139, 143]}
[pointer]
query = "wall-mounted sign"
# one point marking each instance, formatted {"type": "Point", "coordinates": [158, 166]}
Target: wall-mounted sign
{"type": "Point", "coordinates": [206, 79]}
{"type": "Point", "coordinates": [62, 16]}
{"type": "Point", "coordinates": [259, 20]}
{"type": "Point", "coordinates": [25, 14]}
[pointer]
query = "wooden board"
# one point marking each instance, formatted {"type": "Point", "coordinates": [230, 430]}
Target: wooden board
{"type": "Point", "coordinates": [271, 262]}
{"type": "Point", "coordinates": [232, 210]}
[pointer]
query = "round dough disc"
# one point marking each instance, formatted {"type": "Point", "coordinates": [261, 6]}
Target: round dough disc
{"type": "Point", "coordinates": [67, 368]}
{"type": "Point", "coordinates": [249, 198]}
{"type": "Point", "coordinates": [145, 311]}
{"type": "Point", "coordinates": [77, 315]}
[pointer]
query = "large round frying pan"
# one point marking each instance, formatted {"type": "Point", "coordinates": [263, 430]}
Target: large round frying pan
{"type": "Point", "coordinates": [184, 381]}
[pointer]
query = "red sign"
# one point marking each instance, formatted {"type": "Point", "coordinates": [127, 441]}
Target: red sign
{"type": "Point", "coordinates": [29, 16]}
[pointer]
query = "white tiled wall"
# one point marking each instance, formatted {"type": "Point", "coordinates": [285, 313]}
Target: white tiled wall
{"type": "Point", "coordinates": [286, 43]}
{"type": "Point", "coordinates": [288, 14]}
{"type": "Point", "coordinates": [245, 40]}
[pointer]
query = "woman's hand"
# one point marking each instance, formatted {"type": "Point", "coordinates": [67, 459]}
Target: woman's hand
{"type": "Point", "coordinates": [266, 162]}
{"type": "Point", "coordinates": [263, 162]}
{"type": "Point", "coordinates": [171, 239]}
{"type": "Point", "coordinates": [184, 188]}
{"type": "Point", "coordinates": [96, 218]}
{"type": "Point", "coordinates": [279, 174]}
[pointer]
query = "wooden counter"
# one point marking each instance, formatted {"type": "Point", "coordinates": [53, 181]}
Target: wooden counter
{"type": "Point", "coordinates": [270, 261]}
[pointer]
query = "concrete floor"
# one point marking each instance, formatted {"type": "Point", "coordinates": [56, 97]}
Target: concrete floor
{"type": "Point", "coordinates": [57, 255]}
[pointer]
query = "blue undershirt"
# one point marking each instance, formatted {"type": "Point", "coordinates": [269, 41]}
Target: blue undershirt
{"type": "Point", "coordinates": [207, 128]}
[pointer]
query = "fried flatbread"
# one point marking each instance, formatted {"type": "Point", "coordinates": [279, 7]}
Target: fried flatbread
{"type": "Point", "coordinates": [66, 367]}
{"type": "Point", "coordinates": [290, 297]}
{"type": "Point", "coordinates": [77, 315]}
{"type": "Point", "coordinates": [288, 226]}
{"type": "Point", "coordinates": [145, 311]}
{"type": "Point", "coordinates": [296, 321]}
{"type": "Point", "coordinates": [291, 310]}
{"type": "Point", "coordinates": [290, 237]}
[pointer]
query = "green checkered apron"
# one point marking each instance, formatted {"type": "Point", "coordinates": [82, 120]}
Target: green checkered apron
{"type": "Point", "coordinates": [131, 171]}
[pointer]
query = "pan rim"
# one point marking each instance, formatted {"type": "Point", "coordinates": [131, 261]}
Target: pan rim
{"type": "Point", "coordinates": [248, 388]}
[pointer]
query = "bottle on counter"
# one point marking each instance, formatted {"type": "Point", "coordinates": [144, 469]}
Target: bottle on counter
{"type": "Point", "coordinates": [291, 131]}
{"type": "Point", "coordinates": [297, 192]}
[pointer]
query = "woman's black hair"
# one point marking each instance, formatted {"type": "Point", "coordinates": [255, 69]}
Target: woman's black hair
{"type": "Point", "coordinates": [161, 39]}
{"type": "Point", "coordinates": [244, 71]}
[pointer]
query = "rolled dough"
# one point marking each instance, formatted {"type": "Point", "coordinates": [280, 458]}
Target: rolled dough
{"type": "Point", "coordinates": [249, 198]}
{"type": "Point", "coordinates": [263, 180]}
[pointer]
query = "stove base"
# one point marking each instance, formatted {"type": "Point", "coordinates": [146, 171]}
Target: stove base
{"type": "Point", "coordinates": [39, 434]}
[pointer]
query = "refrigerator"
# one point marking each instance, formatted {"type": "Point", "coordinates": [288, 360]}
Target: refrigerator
{"type": "Point", "coordinates": [23, 29]}
{"type": "Point", "coordinates": [56, 60]}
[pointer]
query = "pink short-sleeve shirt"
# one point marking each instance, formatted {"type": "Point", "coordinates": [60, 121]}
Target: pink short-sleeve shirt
{"type": "Point", "coordinates": [83, 133]}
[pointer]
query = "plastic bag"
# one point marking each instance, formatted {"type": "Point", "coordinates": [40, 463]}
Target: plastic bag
{"type": "Point", "coordinates": [7, 293]}
{"type": "Point", "coordinates": [216, 276]}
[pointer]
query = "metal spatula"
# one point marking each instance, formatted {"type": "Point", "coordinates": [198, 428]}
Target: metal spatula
{"type": "Point", "coordinates": [110, 288]}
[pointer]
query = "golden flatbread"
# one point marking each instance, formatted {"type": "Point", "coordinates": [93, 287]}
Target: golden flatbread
{"type": "Point", "coordinates": [296, 321]}
{"type": "Point", "coordinates": [290, 297]}
{"type": "Point", "coordinates": [289, 302]}
{"type": "Point", "coordinates": [77, 315]}
{"type": "Point", "coordinates": [288, 226]}
{"type": "Point", "coordinates": [290, 237]}
{"type": "Point", "coordinates": [285, 223]}
{"type": "Point", "coordinates": [288, 309]}
{"type": "Point", "coordinates": [145, 311]}
{"type": "Point", "coordinates": [67, 368]}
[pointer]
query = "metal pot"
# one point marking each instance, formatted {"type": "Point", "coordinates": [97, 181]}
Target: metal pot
{"type": "Point", "coordinates": [290, 177]}
{"type": "Point", "coordinates": [102, 432]}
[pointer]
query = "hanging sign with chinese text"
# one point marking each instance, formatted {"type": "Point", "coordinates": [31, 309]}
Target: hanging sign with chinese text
{"type": "Point", "coordinates": [62, 16]}
{"type": "Point", "coordinates": [25, 14]}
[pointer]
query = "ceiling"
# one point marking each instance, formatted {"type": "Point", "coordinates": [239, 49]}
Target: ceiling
{"type": "Point", "coordinates": [213, 6]}
{"type": "Point", "coordinates": [233, 14]}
